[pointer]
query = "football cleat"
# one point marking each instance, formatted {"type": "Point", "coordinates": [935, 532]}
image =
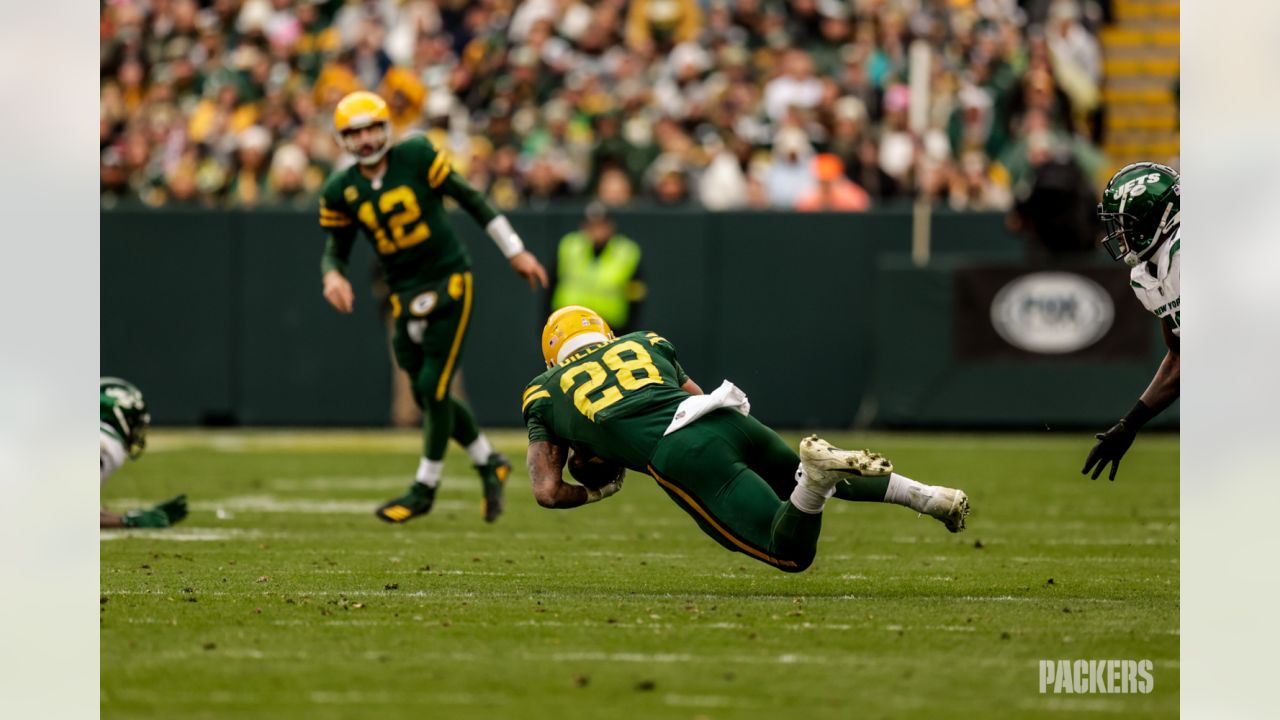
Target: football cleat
{"type": "Point", "coordinates": [825, 464]}
{"type": "Point", "coordinates": [948, 505]}
{"type": "Point", "coordinates": [417, 501]}
{"type": "Point", "coordinates": [493, 475]}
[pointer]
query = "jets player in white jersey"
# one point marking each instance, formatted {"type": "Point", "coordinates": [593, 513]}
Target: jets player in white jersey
{"type": "Point", "coordinates": [1140, 209]}
{"type": "Point", "coordinates": [122, 435]}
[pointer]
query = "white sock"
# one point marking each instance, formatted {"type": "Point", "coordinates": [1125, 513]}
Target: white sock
{"type": "Point", "coordinates": [480, 450]}
{"type": "Point", "coordinates": [807, 499]}
{"type": "Point", "coordinates": [430, 472]}
{"type": "Point", "coordinates": [907, 492]}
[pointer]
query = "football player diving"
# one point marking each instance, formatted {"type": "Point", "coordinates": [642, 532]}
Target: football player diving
{"type": "Point", "coordinates": [606, 404]}
{"type": "Point", "coordinates": [1140, 209]}
{"type": "Point", "coordinates": [122, 434]}
{"type": "Point", "coordinates": [395, 194]}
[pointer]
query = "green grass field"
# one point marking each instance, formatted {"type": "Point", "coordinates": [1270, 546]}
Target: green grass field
{"type": "Point", "coordinates": [281, 596]}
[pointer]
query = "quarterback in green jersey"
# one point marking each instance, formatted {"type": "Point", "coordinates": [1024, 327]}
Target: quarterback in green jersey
{"type": "Point", "coordinates": [395, 194]}
{"type": "Point", "coordinates": [1141, 207]}
{"type": "Point", "coordinates": [607, 403]}
{"type": "Point", "coordinates": [123, 420]}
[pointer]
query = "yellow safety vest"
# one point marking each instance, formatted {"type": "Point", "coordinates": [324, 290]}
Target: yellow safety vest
{"type": "Point", "coordinates": [598, 283]}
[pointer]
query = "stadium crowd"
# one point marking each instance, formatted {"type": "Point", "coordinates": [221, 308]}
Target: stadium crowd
{"type": "Point", "coordinates": [725, 104]}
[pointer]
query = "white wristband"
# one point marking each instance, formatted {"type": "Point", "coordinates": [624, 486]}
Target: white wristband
{"type": "Point", "coordinates": [504, 236]}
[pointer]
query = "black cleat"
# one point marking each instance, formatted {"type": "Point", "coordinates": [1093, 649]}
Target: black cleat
{"type": "Point", "coordinates": [417, 501]}
{"type": "Point", "coordinates": [493, 475]}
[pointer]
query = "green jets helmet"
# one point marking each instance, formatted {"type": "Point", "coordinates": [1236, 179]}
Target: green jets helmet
{"type": "Point", "coordinates": [122, 407]}
{"type": "Point", "coordinates": [1139, 207]}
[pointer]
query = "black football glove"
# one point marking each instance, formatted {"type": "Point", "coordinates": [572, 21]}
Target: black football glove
{"type": "Point", "coordinates": [163, 515]}
{"type": "Point", "coordinates": [174, 508]}
{"type": "Point", "coordinates": [1111, 446]}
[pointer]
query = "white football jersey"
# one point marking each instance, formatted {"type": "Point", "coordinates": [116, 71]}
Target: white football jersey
{"type": "Point", "coordinates": [1160, 292]}
{"type": "Point", "coordinates": [111, 453]}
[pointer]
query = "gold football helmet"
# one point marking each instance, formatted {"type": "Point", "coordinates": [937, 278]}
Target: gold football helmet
{"type": "Point", "coordinates": [355, 112]}
{"type": "Point", "coordinates": [570, 329]}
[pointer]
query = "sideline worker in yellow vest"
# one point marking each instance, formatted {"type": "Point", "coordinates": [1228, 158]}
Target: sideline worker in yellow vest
{"type": "Point", "coordinates": [599, 269]}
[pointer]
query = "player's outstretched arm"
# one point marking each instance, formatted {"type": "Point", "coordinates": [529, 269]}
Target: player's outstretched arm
{"type": "Point", "coordinates": [167, 513]}
{"type": "Point", "coordinates": [546, 472]}
{"type": "Point", "coordinates": [1159, 395]}
{"type": "Point", "coordinates": [498, 227]}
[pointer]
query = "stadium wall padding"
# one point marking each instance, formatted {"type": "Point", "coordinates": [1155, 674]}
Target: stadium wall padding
{"type": "Point", "coordinates": [819, 317]}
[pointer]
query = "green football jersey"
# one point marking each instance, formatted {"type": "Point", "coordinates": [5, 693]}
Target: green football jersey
{"type": "Point", "coordinates": [403, 215]}
{"type": "Point", "coordinates": [613, 400]}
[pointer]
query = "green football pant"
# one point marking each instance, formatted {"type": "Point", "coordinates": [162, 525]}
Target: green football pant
{"type": "Point", "coordinates": [733, 475]}
{"type": "Point", "coordinates": [431, 329]}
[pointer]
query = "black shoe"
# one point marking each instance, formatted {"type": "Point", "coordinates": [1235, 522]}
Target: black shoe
{"type": "Point", "coordinates": [417, 501]}
{"type": "Point", "coordinates": [493, 475]}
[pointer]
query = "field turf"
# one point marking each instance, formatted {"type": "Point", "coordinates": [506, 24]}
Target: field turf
{"type": "Point", "coordinates": [281, 596]}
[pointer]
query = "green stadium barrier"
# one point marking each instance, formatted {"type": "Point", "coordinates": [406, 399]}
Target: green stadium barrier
{"type": "Point", "coordinates": [218, 315]}
{"type": "Point", "coordinates": [924, 376]}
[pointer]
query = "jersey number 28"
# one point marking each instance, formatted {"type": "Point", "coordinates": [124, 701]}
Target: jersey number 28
{"type": "Point", "coordinates": [631, 374]}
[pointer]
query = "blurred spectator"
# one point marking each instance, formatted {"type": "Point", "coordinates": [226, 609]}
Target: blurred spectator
{"type": "Point", "coordinates": [615, 188]}
{"type": "Point", "coordinates": [657, 25]}
{"type": "Point", "coordinates": [248, 184]}
{"type": "Point", "coordinates": [833, 190]}
{"type": "Point", "coordinates": [790, 175]}
{"type": "Point", "coordinates": [974, 188]}
{"type": "Point", "coordinates": [670, 182]}
{"type": "Point", "coordinates": [723, 186]}
{"type": "Point", "coordinates": [539, 101]}
{"type": "Point", "coordinates": [287, 180]}
{"type": "Point", "coordinates": [795, 87]}
{"type": "Point", "coordinates": [1056, 208]}
{"type": "Point", "coordinates": [600, 269]}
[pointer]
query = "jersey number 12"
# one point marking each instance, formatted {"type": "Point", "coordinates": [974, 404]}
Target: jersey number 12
{"type": "Point", "coordinates": [407, 227]}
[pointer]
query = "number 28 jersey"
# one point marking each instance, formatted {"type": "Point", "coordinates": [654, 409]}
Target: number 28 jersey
{"type": "Point", "coordinates": [614, 400]}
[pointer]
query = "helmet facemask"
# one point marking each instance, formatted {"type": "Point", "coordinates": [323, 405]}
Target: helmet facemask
{"type": "Point", "coordinates": [1132, 239]}
{"type": "Point", "coordinates": [135, 433]}
{"type": "Point", "coordinates": [367, 147]}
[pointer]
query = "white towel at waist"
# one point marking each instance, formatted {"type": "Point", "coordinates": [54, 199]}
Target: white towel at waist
{"type": "Point", "coordinates": [726, 396]}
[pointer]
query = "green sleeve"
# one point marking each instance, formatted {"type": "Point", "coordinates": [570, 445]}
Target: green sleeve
{"type": "Point", "coordinates": [339, 222]}
{"type": "Point", "coordinates": [664, 346]}
{"type": "Point", "coordinates": [682, 377]}
{"type": "Point", "coordinates": [471, 199]}
{"type": "Point", "coordinates": [532, 405]}
{"type": "Point", "coordinates": [539, 430]}
{"type": "Point", "coordinates": [337, 250]}
{"type": "Point", "coordinates": [442, 179]}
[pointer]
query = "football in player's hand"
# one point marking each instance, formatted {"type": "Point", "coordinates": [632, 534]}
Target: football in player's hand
{"type": "Point", "coordinates": [593, 472]}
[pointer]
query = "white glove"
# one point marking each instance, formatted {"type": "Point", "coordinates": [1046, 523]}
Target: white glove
{"type": "Point", "coordinates": [604, 491]}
